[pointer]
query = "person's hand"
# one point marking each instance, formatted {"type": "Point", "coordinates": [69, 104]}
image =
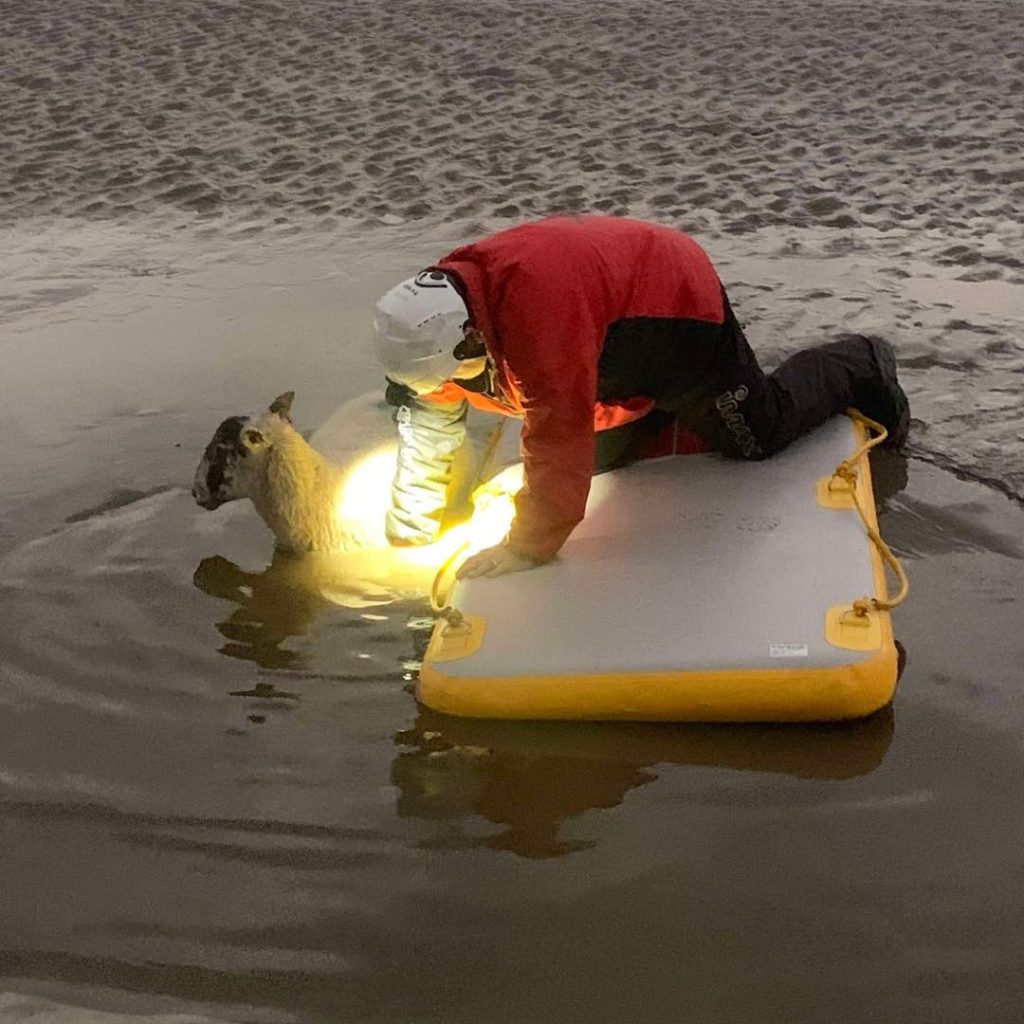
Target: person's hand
{"type": "Point", "coordinates": [493, 562]}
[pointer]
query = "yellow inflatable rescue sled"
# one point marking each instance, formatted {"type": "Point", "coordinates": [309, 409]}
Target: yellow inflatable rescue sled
{"type": "Point", "coordinates": [696, 589]}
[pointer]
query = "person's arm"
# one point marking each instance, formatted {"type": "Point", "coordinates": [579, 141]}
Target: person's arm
{"type": "Point", "coordinates": [430, 433]}
{"type": "Point", "coordinates": [558, 461]}
{"type": "Point", "coordinates": [552, 344]}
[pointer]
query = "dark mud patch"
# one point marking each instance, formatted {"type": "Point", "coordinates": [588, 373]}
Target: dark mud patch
{"type": "Point", "coordinates": [919, 528]}
{"type": "Point", "coordinates": [116, 499]}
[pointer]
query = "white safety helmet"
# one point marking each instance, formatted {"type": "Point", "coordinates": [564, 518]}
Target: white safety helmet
{"type": "Point", "coordinates": [418, 324]}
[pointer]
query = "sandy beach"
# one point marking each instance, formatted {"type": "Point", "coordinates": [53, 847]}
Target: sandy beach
{"type": "Point", "coordinates": [220, 799]}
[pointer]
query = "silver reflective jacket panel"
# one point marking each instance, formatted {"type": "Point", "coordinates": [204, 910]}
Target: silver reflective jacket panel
{"type": "Point", "coordinates": [430, 434]}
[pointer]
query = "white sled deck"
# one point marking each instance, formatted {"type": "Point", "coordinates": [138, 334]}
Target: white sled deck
{"type": "Point", "coordinates": [697, 588]}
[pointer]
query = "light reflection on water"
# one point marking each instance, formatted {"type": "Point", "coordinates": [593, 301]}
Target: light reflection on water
{"type": "Point", "coordinates": [272, 606]}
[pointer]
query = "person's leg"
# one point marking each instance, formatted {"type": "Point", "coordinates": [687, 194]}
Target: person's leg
{"type": "Point", "coordinates": [745, 413]}
{"type": "Point", "coordinates": [855, 370]}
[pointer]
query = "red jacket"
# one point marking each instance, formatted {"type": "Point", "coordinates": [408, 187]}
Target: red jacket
{"type": "Point", "coordinates": [544, 296]}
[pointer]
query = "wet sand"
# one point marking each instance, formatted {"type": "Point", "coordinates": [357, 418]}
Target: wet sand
{"type": "Point", "coordinates": [219, 797]}
{"type": "Point", "coordinates": [872, 114]}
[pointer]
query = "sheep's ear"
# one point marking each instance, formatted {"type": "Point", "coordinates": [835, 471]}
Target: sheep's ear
{"type": "Point", "coordinates": [253, 439]}
{"type": "Point", "coordinates": [282, 405]}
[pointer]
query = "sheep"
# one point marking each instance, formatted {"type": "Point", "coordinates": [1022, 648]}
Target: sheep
{"type": "Point", "coordinates": [299, 493]}
{"type": "Point", "coordinates": [296, 490]}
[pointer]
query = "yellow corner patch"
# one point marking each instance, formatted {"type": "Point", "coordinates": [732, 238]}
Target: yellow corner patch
{"type": "Point", "coordinates": [459, 640]}
{"type": "Point", "coordinates": [834, 492]}
{"type": "Point", "coordinates": [845, 628]}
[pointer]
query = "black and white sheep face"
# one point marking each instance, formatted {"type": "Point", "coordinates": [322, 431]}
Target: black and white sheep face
{"type": "Point", "coordinates": [223, 471]}
{"type": "Point", "coordinates": [214, 482]}
{"type": "Point", "coordinates": [228, 466]}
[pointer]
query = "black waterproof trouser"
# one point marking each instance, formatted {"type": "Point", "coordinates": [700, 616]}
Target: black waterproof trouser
{"type": "Point", "coordinates": [719, 391]}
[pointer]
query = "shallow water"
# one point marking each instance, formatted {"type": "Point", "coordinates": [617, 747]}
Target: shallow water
{"type": "Point", "coordinates": [217, 789]}
{"type": "Point", "coordinates": [219, 797]}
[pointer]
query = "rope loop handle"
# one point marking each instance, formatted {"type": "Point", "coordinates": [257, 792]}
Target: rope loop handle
{"type": "Point", "coordinates": [438, 604]}
{"type": "Point", "coordinates": [847, 472]}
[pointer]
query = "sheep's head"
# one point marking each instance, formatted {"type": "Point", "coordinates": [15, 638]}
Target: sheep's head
{"type": "Point", "coordinates": [231, 462]}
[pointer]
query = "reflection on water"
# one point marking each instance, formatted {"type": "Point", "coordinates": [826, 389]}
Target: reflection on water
{"type": "Point", "coordinates": [272, 607]}
{"type": "Point", "coordinates": [286, 599]}
{"type": "Point", "coordinates": [527, 778]}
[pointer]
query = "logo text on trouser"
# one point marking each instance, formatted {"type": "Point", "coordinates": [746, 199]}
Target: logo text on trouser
{"type": "Point", "coordinates": [728, 405]}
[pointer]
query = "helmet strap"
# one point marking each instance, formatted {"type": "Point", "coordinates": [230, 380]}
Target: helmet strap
{"type": "Point", "coordinates": [471, 346]}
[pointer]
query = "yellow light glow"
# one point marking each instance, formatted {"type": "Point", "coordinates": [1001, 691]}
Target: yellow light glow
{"type": "Point", "coordinates": [493, 508]}
{"type": "Point", "coordinates": [366, 496]}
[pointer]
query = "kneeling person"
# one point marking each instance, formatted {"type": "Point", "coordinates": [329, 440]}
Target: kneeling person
{"type": "Point", "coordinates": [580, 326]}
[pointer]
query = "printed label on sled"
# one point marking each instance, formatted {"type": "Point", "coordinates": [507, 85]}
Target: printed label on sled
{"type": "Point", "coordinates": [788, 650]}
